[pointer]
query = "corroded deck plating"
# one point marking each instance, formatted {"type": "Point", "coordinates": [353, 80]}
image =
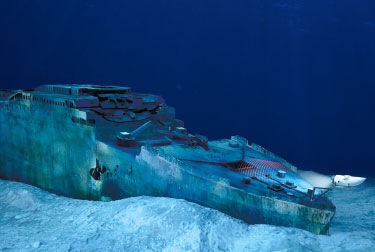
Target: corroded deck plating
{"type": "Point", "coordinates": [106, 143]}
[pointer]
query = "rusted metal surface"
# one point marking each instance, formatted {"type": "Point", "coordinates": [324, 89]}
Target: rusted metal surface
{"type": "Point", "coordinates": [99, 143]}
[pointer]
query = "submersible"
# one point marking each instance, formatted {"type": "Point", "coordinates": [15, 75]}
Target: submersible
{"type": "Point", "coordinates": [107, 143]}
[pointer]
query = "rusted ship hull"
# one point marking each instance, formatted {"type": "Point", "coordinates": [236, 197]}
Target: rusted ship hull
{"type": "Point", "coordinates": [75, 152]}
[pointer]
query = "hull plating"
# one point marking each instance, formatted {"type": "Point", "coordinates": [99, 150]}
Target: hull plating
{"type": "Point", "coordinates": [43, 146]}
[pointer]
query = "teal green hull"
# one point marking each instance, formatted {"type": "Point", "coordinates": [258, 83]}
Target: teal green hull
{"type": "Point", "coordinates": [43, 145]}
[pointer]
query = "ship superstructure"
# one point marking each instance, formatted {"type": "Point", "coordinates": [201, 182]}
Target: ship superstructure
{"type": "Point", "coordinates": [106, 143]}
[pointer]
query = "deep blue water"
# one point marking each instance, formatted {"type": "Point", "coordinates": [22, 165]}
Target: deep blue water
{"type": "Point", "coordinates": [296, 77]}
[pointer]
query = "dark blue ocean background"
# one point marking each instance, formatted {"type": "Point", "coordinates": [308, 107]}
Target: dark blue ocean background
{"type": "Point", "coordinates": [294, 76]}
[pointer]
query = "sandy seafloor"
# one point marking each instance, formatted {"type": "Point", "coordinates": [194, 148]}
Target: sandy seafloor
{"type": "Point", "coordinates": [34, 220]}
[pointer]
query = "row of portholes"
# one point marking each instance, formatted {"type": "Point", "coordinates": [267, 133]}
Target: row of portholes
{"type": "Point", "coordinates": [59, 90]}
{"type": "Point", "coordinates": [56, 103]}
{"type": "Point", "coordinates": [4, 105]}
{"type": "Point", "coordinates": [63, 90]}
{"type": "Point", "coordinates": [25, 97]}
